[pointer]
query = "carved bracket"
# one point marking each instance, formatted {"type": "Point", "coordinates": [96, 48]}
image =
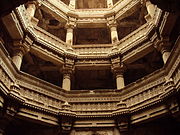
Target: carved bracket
{"type": "Point", "coordinates": [117, 66]}
{"type": "Point", "coordinates": [68, 67]}
{"type": "Point", "coordinates": [162, 44]}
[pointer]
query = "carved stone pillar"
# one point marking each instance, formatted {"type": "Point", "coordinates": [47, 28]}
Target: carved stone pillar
{"type": "Point", "coordinates": [20, 48]}
{"type": "Point", "coordinates": [121, 116]}
{"type": "Point", "coordinates": [164, 47]}
{"type": "Point", "coordinates": [72, 4]}
{"type": "Point", "coordinates": [109, 3]}
{"type": "Point", "coordinates": [17, 57]}
{"type": "Point", "coordinates": [31, 8]}
{"type": "Point", "coordinates": [120, 80]}
{"type": "Point", "coordinates": [66, 118]}
{"type": "Point", "coordinates": [66, 81]}
{"type": "Point", "coordinates": [165, 54]}
{"type": "Point", "coordinates": [150, 8]}
{"type": "Point", "coordinates": [71, 24]}
{"type": "Point", "coordinates": [114, 34]}
{"type": "Point", "coordinates": [67, 71]}
{"type": "Point", "coordinates": [116, 132]}
{"type": "Point", "coordinates": [1, 113]}
{"type": "Point", "coordinates": [111, 22]}
{"type": "Point", "coordinates": [123, 127]}
{"type": "Point", "coordinates": [1, 102]}
{"type": "Point", "coordinates": [118, 69]}
{"type": "Point", "coordinates": [69, 35]}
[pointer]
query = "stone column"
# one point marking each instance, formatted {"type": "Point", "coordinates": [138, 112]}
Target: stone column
{"type": "Point", "coordinates": [120, 81]}
{"type": "Point", "coordinates": [19, 49]}
{"type": "Point", "coordinates": [116, 131]}
{"type": "Point", "coordinates": [69, 35]}
{"type": "Point", "coordinates": [118, 69]}
{"type": "Point", "coordinates": [111, 23]}
{"type": "Point", "coordinates": [66, 81]}
{"type": "Point", "coordinates": [150, 8]}
{"type": "Point", "coordinates": [72, 4]}
{"type": "Point", "coordinates": [165, 54]}
{"type": "Point", "coordinates": [114, 34]}
{"type": "Point", "coordinates": [31, 8]}
{"type": "Point", "coordinates": [17, 58]}
{"type": "Point", "coordinates": [71, 24]}
{"type": "Point", "coordinates": [67, 71]}
{"type": "Point", "coordinates": [1, 102]}
{"type": "Point", "coordinates": [163, 45]}
{"type": "Point", "coordinates": [109, 3]}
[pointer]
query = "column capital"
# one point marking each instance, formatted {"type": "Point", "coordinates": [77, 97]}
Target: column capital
{"type": "Point", "coordinates": [117, 67]}
{"type": "Point", "coordinates": [71, 23]}
{"type": "Point", "coordinates": [68, 67]}
{"type": "Point", "coordinates": [36, 3]}
{"type": "Point", "coordinates": [111, 21]}
{"type": "Point", "coordinates": [21, 46]}
{"type": "Point", "coordinates": [162, 45]}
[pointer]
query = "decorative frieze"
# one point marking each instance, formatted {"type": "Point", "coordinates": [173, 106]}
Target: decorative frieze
{"type": "Point", "coordinates": [41, 100]}
{"type": "Point", "coordinates": [148, 95]}
{"type": "Point", "coordinates": [93, 107]}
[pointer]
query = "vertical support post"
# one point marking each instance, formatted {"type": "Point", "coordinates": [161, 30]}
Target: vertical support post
{"type": "Point", "coordinates": [112, 24]}
{"type": "Point", "coordinates": [66, 82]}
{"type": "Point", "coordinates": [31, 8]}
{"type": "Point", "coordinates": [109, 3]}
{"type": "Point", "coordinates": [118, 69]}
{"type": "Point", "coordinates": [72, 4]}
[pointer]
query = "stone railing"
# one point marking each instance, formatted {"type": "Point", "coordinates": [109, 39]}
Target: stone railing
{"type": "Point", "coordinates": [145, 91]}
{"type": "Point", "coordinates": [47, 38]}
{"type": "Point", "coordinates": [57, 8]}
{"type": "Point", "coordinates": [94, 109]}
{"type": "Point", "coordinates": [122, 7]}
{"type": "Point", "coordinates": [97, 49]}
{"type": "Point", "coordinates": [130, 40]}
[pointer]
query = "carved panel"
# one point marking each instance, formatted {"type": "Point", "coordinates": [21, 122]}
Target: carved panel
{"type": "Point", "coordinates": [41, 99]}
